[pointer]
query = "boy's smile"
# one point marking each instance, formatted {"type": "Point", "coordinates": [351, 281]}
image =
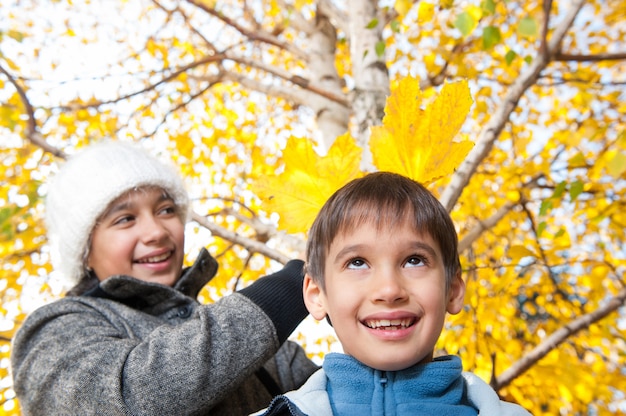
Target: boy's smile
{"type": "Point", "coordinates": [385, 293]}
{"type": "Point", "coordinates": [140, 235]}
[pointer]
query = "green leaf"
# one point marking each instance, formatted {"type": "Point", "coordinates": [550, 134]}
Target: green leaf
{"type": "Point", "coordinates": [510, 56]}
{"type": "Point", "coordinates": [6, 226]}
{"type": "Point", "coordinates": [546, 205]}
{"type": "Point", "coordinates": [491, 37]}
{"type": "Point", "coordinates": [372, 24]}
{"type": "Point", "coordinates": [558, 191]}
{"type": "Point", "coordinates": [541, 227]}
{"type": "Point", "coordinates": [465, 23]}
{"type": "Point", "coordinates": [395, 26]}
{"type": "Point", "coordinates": [488, 6]}
{"type": "Point", "coordinates": [528, 27]}
{"type": "Point", "coordinates": [380, 48]}
{"type": "Point", "coordinates": [576, 189]}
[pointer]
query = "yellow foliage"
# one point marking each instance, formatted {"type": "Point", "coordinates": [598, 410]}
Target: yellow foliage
{"type": "Point", "coordinates": [425, 12]}
{"type": "Point", "coordinates": [412, 141]}
{"type": "Point", "coordinates": [308, 180]}
{"type": "Point", "coordinates": [559, 161]}
{"type": "Point", "coordinates": [402, 6]}
{"type": "Point", "coordinates": [418, 142]}
{"type": "Point", "coordinates": [516, 253]}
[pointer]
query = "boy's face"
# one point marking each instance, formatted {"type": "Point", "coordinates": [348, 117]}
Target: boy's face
{"type": "Point", "coordinates": [385, 295]}
{"type": "Point", "coordinates": [140, 235]}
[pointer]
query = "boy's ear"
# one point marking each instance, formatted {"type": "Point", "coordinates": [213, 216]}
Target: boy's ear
{"type": "Point", "coordinates": [456, 294]}
{"type": "Point", "coordinates": [314, 298]}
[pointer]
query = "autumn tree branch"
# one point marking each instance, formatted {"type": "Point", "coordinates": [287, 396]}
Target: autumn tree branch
{"type": "Point", "coordinates": [32, 133]}
{"type": "Point", "coordinates": [286, 75]}
{"type": "Point", "coordinates": [339, 18]}
{"type": "Point", "coordinates": [254, 35]}
{"type": "Point", "coordinates": [590, 58]}
{"type": "Point", "coordinates": [469, 238]}
{"type": "Point", "coordinates": [174, 74]}
{"type": "Point", "coordinates": [191, 27]}
{"type": "Point", "coordinates": [556, 338]}
{"type": "Point", "coordinates": [249, 244]}
{"type": "Point", "coordinates": [490, 133]}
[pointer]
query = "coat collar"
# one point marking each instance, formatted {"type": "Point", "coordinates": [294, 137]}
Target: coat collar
{"type": "Point", "coordinates": [146, 295]}
{"type": "Point", "coordinates": [436, 387]}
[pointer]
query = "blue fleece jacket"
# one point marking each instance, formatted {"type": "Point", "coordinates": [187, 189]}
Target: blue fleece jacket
{"type": "Point", "coordinates": [351, 391]}
{"type": "Point", "coordinates": [435, 388]}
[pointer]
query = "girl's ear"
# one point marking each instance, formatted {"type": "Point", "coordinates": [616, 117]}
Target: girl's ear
{"type": "Point", "coordinates": [314, 298]}
{"type": "Point", "coordinates": [456, 294]}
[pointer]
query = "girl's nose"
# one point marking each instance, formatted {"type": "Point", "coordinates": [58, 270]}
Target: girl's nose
{"type": "Point", "coordinates": [152, 230]}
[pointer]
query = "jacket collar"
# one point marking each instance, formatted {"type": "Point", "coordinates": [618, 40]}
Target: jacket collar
{"type": "Point", "coordinates": [194, 278]}
{"type": "Point", "coordinates": [146, 295]}
{"type": "Point", "coordinates": [425, 389]}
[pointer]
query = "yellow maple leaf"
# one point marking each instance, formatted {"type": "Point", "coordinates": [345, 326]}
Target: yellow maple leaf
{"type": "Point", "coordinates": [308, 180]}
{"type": "Point", "coordinates": [425, 12]}
{"type": "Point", "coordinates": [403, 6]}
{"type": "Point", "coordinates": [418, 142]}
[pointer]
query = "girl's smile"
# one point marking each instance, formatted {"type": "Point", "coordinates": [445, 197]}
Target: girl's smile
{"type": "Point", "coordinates": [140, 235]}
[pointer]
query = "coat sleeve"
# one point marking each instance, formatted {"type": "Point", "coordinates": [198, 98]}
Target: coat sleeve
{"type": "Point", "coordinates": [293, 367]}
{"type": "Point", "coordinates": [72, 357]}
{"type": "Point", "coordinates": [486, 400]}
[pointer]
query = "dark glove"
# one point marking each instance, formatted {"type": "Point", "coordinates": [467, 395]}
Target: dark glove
{"type": "Point", "coordinates": [280, 297]}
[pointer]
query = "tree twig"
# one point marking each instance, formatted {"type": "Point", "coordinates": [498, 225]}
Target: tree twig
{"type": "Point", "coordinates": [490, 133]}
{"type": "Point", "coordinates": [557, 338]}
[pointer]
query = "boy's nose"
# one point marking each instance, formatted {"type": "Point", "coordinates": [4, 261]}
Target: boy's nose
{"type": "Point", "coordinates": [388, 287]}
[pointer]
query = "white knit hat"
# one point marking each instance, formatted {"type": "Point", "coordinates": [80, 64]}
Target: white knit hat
{"type": "Point", "coordinates": [85, 186]}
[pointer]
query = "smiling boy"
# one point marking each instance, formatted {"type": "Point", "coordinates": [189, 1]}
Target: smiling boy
{"type": "Point", "coordinates": [383, 268]}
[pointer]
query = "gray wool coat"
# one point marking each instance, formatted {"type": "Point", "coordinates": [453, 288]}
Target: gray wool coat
{"type": "Point", "coordinates": [137, 348]}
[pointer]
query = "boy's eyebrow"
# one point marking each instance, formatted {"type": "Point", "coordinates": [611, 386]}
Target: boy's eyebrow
{"type": "Point", "coordinates": [416, 245]}
{"type": "Point", "coordinates": [425, 247]}
{"type": "Point", "coordinates": [348, 249]}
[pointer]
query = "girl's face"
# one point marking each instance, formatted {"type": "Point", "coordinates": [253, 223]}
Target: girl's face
{"type": "Point", "coordinates": [385, 293]}
{"type": "Point", "coordinates": [140, 235]}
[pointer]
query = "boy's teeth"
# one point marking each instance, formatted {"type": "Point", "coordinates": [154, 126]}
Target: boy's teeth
{"type": "Point", "coordinates": [389, 323]}
{"type": "Point", "coordinates": [154, 259]}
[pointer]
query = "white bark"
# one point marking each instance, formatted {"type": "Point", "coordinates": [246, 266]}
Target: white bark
{"type": "Point", "coordinates": [332, 118]}
{"type": "Point", "coordinates": [371, 78]}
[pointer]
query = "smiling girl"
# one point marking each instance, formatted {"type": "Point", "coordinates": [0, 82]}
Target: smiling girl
{"type": "Point", "coordinates": [130, 337]}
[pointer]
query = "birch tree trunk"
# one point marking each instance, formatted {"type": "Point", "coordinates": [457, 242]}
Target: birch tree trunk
{"type": "Point", "coordinates": [371, 78]}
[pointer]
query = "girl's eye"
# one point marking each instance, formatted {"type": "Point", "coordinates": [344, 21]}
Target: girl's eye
{"type": "Point", "coordinates": [167, 210]}
{"type": "Point", "coordinates": [123, 220]}
{"type": "Point", "coordinates": [357, 264]}
{"type": "Point", "coordinates": [415, 261]}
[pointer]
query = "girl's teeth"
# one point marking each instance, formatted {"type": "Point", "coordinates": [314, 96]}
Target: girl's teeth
{"type": "Point", "coordinates": [155, 259]}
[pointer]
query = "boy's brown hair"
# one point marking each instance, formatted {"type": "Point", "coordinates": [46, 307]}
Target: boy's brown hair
{"type": "Point", "coordinates": [384, 199]}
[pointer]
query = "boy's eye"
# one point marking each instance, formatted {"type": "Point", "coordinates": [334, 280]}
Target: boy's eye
{"type": "Point", "coordinates": [415, 261]}
{"type": "Point", "coordinates": [357, 264]}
